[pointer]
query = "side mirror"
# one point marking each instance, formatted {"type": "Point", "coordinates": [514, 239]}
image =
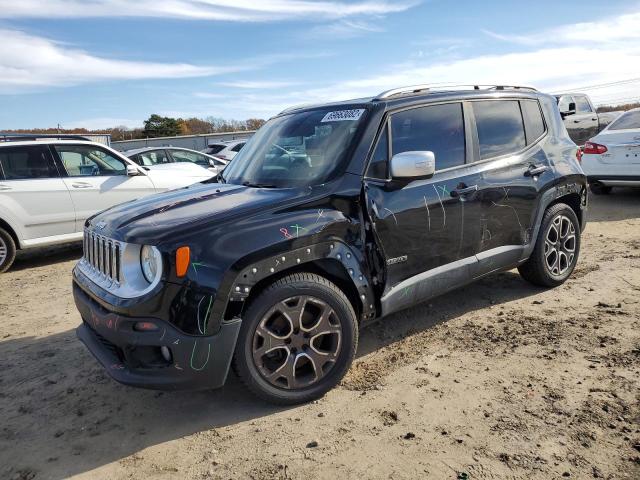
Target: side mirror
{"type": "Point", "coordinates": [421, 164]}
{"type": "Point", "coordinates": [571, 111]}
{"type": "Point", "coordinates": [132, 171]}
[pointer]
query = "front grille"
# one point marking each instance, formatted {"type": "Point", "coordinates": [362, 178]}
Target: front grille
{"type": "Point", "coordinates": [103, 255]}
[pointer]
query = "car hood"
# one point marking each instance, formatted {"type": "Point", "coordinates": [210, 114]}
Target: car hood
{"type": "Point", "coordinates": [159, 217]}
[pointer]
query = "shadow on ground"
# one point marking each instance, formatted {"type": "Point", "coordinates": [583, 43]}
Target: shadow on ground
{"type": "Point", "coordinates": [42, 256]}
{"type": "Point", "coordinates": [621, 204]}
{"type": "Point", "coordinates": [62, 415]}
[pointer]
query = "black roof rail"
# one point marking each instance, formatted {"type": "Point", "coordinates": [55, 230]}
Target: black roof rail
{"type": "Point", "coordinates": [18, 137]}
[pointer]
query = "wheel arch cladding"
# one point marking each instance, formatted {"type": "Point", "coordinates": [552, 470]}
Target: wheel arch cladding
{"type": "Point", "coordinates": [574, 200]}
{"type": "Point", "coordinates": [332, 259]}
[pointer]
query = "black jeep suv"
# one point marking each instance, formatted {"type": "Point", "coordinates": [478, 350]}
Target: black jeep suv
{"type": "Point", "coordinates": [330, 217]}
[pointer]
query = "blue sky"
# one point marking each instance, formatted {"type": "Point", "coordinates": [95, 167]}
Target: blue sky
{"type": "Point", "coordinates": [114, 62]}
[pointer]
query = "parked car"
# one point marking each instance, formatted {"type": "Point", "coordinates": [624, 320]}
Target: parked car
{"type": "Point", "coordinates": [612, 158]}
{"type": "Point", "coordinates": [580, 117]}
{"type": "Point", "coordinates": [397, 199]}
{"type": "Point", "coordinates": [164, 155]}
{"type": "Point", "coordinates": [225, 150]}
{"type": "Point", "coordinates": [49, 187]}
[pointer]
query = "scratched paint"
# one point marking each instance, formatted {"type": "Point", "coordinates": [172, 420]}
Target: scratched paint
{"type": "Point", "coordinates": [393, 215]}
{"type": "Point", "coordinates": [444, 213]}
{"type": "Point", "coordinates": [426, 205]}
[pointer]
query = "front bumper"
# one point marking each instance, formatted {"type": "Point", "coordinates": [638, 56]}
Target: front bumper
{"type": "Point", "coordinates": [133, 358]}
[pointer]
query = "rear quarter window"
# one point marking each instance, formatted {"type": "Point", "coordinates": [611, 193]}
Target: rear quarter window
{"type": "Point", "coordinates": [500, 127]}
{"type": "Point", "coordinates": [533, 121]}
{"type": "Point", "coordinates": [238, 147]}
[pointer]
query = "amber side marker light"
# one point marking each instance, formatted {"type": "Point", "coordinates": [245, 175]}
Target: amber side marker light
{"type": "Point", "coordinates": [183, 255]}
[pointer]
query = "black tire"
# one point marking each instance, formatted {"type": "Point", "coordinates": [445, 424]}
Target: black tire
{"type": "Point", "coordinates": [7, 250]}
{"type": "Point", "coordinates": [599, 189]}
{"type": "Point", "coordinates": [264, 313]}
{"type": "Point", "coordinates": [537, 269]}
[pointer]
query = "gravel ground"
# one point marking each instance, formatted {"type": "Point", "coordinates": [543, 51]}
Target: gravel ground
{"type": "Point", "coordinates": [499, 380]}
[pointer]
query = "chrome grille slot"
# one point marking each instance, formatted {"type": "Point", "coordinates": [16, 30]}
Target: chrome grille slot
{"type": "Point", "coordinates": [102, 256]}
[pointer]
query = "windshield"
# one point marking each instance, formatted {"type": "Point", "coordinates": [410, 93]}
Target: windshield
{"type": "Point", "coordinates": [296, 150]}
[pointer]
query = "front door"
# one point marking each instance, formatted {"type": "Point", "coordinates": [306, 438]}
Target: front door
{"type": "Point", "coordinates": [428, 229]}
{"type": "Point", "coordinates": [585, 118]}
{"type": "Point", "coordinates": [33, 193]}
{"type": "Point", "coordinates": [98, 180]}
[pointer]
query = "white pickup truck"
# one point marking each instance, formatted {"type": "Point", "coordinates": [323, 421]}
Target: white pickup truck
{"type": "Point", "coordinates": [49, 187]}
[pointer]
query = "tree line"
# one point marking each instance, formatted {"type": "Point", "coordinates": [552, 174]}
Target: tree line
{"type": "Point", "coordinates": [159, 126]}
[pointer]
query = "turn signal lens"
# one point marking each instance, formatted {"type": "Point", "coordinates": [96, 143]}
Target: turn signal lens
{"type": "Point", "coordinates": [183, 255]}
{"type": "Point", "coordinates": [594, 148]}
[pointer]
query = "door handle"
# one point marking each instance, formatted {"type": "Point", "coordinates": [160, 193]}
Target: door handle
{"type": "Point", "coordinates": [594, 119]}
{"type": "Point", "coordinates": [534, 170]}
{"type": "Point", "coordinates": [463, 190]}
{"type": "Point", "coordinates": [4, 187]}
{"type": "Point", "coordinates": [81, 185]}
{"type": "Point", "coordinates": [576, 121]}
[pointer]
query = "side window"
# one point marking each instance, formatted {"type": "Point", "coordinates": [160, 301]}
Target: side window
{"type": "Point", "coordinates": [214, 148]}
{"type": "Point", "coordinates": [500, 128]}
{"type": "Point", "coordinates": [378, 167]}
{"type": "Point", "coordinates": [238, 147]}
{"type": "Point", "coordinates": [533, 121]}
{"type": "Point", "coordinates": [185, 156]}
{"type": "Point", "coordinates": [152, 158]}
{"type": "Point", "coordinates": [582, 104]}
{"type": "Point", "coordinates": [21, 163]}
{"type": "Point", "coordinates": [438, 128]}
{"type": "Point", "coordinates": [87, 160]}
{"type": "Point", "coordinates": [629, 120]}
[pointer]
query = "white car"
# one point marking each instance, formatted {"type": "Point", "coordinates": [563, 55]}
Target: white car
{"type": "Point", "coordinates": [225, 150]}
{"type": "Point", "coordinates": [49, 187]}
{"type": "Point", "coordinates": [612, 158]}
{"type": "Point", "coordinates": [150, 156]}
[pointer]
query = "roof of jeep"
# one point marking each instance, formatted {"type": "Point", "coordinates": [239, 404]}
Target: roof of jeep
{"type": "Point", "coordinates": [47, 141]}
{"type": "Point", "coordinates": [411, 97]}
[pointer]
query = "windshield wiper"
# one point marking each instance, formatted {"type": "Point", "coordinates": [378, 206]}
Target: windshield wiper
{"type": "Point", "coordinates": [259, 185]}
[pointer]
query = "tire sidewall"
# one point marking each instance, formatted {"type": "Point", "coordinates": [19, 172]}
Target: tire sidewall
{"type": "Point", "coordinates": [260, 306]}
{"type": "Point", "coordinates": [552, 213]}
{"type": "Point", "coordinates": [11, 250]}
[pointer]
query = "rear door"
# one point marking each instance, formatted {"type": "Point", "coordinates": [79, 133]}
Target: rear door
{"type": "Point", "coordinates": [424, 225]}
{"type": "Point", "coordinates": [33, 193]}
{"type": "Point", "coordinates": [97, 179]}
{"type": "Point", "coordinates": [585, 118]}
{"type": "Point", "coordinates": [513, 168]}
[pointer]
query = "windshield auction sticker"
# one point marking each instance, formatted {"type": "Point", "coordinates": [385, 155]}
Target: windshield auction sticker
{"type": "Point", "coordinates": [343, 115]}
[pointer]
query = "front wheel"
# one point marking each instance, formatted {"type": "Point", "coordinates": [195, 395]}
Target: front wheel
{"type": "Point", "coordinates": [557, 247]}
{"type": "Point", "coordinates": [7, 250]}
{"type": "Point", "coordinates": [297, 340]}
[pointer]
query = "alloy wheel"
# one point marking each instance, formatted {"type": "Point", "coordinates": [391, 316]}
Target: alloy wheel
{"type": "Point", "coordinates": [560, 245]}
{"type": "Point", "coordinates": [297, 342]}
{"type": "Point", "coordinates": [3, 251]}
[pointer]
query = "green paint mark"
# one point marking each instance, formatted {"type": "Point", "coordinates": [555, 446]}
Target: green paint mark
{"type": "Point", "coordinates": [205, 362]}
{"type": "Point", "coordinates": [298, 228]}
{"type": "Point", "coordinates": [195, 266]}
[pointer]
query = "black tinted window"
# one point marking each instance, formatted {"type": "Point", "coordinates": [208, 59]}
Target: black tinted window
{"type": "Point", "coordinates": [500, 128]}
{"type": "Point", "coordinates": [379, 161]}
{"type": "Point", "coordinates": [238, 147]}
{"type": "Point", "coordinates": [533, 122]}
{"type": "Point", "coordinates": [26, 162]}
{"type": "Point", "coordinates": [582, 104]}
{"type": "Point", "coordinates": [438, 128]}
{"type": "Point", "coordinates": [213, 149]}
{"type": "Point", "coordinates": [627, 121]}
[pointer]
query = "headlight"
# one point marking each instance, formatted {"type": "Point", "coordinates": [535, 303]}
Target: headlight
{"type": "Point", "coordinates": [151, 263]}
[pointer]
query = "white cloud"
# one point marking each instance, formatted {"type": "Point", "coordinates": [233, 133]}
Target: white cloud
{"type": "Point", "coordinates": [223, 10]}
{"type": "Point", "coordinates": [257, 84]}
{"type": "Point", "coordinates": [609, 30]}
{"type": "Point", "coordinates": [343, 29]}
{"type": "Point", "coordinates": [30, 62]}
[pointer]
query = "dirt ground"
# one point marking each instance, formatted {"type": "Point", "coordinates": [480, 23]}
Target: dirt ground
{"type": "Point", "coordinates": [499, 380]}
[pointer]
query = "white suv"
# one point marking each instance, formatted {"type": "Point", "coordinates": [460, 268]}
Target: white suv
{"type": "Point", "coordinates": [48, 188]}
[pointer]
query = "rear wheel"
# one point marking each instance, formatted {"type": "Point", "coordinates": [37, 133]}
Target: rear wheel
{"type": "Point", "coordinates": [557, 247]}
{"type": "Point", "coordinates": [7, 250]}
{"type": "Point", "coordinates": [599, 189]}
{"type": "Point", "coordinates": [297, 340]}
